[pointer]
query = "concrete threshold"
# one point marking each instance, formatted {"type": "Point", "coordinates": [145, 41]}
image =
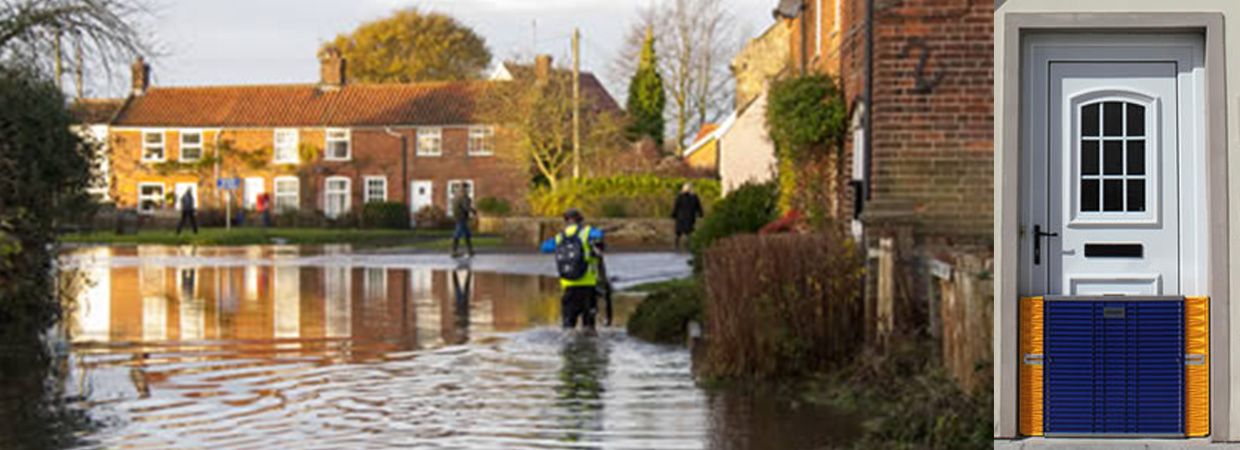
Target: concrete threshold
{"type": "Point", "coordinates": [1109, 444]}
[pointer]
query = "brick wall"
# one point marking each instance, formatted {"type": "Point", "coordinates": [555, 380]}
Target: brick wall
{"type": "Point", "coordinates": [373, 153]}
{"type": "Point", "coordinates": [931, 166]}
{"type": "Point", "coordinates": [933, 114]}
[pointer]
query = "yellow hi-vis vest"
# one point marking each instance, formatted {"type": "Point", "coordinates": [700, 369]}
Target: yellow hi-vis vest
{"type": "Point", "coordinates": [591, 276]}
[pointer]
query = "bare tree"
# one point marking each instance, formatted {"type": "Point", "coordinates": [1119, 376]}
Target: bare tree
{"type": "Point", "coordinates": [102, 32]}
{"type": "Point", "coordinates": [536, 114]}
{"type": "Point", "coordinates": [696, 40]}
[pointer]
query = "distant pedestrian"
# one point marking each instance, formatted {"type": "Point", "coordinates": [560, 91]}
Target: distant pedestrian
{"type": "Point", "coordinates": [187, 212]}
{"type": "Point", "coordinates": [264, 208]}
{"type": "Point", "coordinates": [462, 210]}
{"type": "Point", "coordinates": [687, 210]}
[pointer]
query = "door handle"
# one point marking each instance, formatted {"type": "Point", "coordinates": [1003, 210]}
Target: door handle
{"type": "Point", "coordinates": [1038, 234]}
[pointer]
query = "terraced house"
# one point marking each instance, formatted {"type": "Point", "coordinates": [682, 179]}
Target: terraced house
{"type": "Point", "coordinates": [328, 146]}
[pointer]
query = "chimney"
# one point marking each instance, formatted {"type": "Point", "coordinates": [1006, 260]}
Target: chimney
{"type": "Point", "coordinates": [141, 76]}
{"type": "Point", "coordinates": [542, 67]}
{"type": "Point", "coordinates": [331, 69]}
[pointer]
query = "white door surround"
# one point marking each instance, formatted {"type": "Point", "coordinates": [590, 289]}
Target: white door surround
{"type": "Point", "coordinates": [1112, 185]}
{"type": "Point", "coordinates": [254, 186]}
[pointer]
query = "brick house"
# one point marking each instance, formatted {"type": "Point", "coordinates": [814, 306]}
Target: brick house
{"type": "Point", "coordinates": [328, 147]}
{"type": "Point", "coordinates": [916, 174]}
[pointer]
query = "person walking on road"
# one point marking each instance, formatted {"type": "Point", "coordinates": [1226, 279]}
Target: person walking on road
{"type": "Point", "coordinates": [687, 210]}
{"type": "Point", "coordinates": [187, 212]}
{"type": "Point", "coordinates": [578, 251]}
{"type": "Point", "coordinates": [462, 211]}
{"type": "Point", "coordinates": [263, 204]}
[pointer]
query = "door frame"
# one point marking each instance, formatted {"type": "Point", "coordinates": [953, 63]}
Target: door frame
{"type": "Point", "coordinates": [1039, 52]}
{"type": "Point", "coordinates": [413, 195]}
{"type": "Point", "coordinates": [1012, 29]}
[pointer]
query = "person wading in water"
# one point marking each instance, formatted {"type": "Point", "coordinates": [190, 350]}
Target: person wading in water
{"type": "Point", "coordinates": [578, 253]}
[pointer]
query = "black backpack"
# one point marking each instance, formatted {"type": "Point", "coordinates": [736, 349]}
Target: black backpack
{"type": "Point", "coordinates": [570, 256]}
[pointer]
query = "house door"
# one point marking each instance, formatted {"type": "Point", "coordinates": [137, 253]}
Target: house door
{"type": "Point", "coordinates": [1113, 180]}
{"type": "Point", "coordinates": [253, 188]}
{"type": "Point", "coordinates": [423, 195]}
{"type": "Point", "coordinates": [1112, 184]}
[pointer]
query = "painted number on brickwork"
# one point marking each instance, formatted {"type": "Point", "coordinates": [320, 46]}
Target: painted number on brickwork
{"type": "Point", "coordinates": [924, 83]}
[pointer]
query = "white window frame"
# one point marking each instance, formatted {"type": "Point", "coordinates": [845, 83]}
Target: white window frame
{"type": "Point", "coordinates": [473, 192]}
{"type": "Point", "coordinates": [429, 134]}
{"type": "Point", "coordinates": [481, 140]}
{"type": "Point", "coordinates": [366, 194]}
{"type": "Point", "coordinates": [296, 194]}
{"type": "Point", "coordinates": [328, 192]}
{"type": "Point", "coordinates": [294, 158]}
{"type": "Point", "coordinates": [163, 147]}
{"type": "Point", "coordinates": [181, 154]}
{"type": "Point", "coordinates": [328, 140]}
{"type": "Point", "coordinates": [163, 193]}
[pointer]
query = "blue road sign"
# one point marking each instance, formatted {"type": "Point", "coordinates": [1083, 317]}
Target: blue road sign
{"type": "Point", "coordinates": [228, 184]}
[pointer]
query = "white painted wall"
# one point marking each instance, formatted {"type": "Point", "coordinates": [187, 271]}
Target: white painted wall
{"type": "Point", "coordinates": [746, 153]}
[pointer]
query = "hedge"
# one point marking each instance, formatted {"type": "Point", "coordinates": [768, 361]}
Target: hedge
{"type": "Point", "coordinates": [621, 196]}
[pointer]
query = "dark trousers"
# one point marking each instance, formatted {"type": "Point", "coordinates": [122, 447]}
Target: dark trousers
{"type": "Point", "coordinates": [579, 301]}
{"type": "Point", "coordinates": [267, 218]}
{"type": "Point", "coordinates": [187, 216]}
{"type": "Point", "coordinates": [462, 232]}
{"type": "Point", "coordinates": [686, 235]}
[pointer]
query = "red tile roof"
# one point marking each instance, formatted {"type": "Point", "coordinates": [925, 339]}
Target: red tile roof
{"type": "Point", "coordinates": [304, 105]}
{"type": "Point", "coordinates": [705, 131]}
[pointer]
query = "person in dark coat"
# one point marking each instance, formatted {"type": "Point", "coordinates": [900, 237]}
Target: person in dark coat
{"type": "Point", "coordinates": [187, 212]}
{"type": "Point", "coordinates": [462, 210]}
{"type": "Point", "coordinates": [687, 210]}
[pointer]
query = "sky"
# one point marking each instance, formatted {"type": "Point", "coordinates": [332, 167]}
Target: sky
{"type": "Point", "coordinates": [212, 42]}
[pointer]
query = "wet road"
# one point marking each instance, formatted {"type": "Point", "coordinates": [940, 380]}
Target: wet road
{"type": "Point", "coordinates": [323, 348]}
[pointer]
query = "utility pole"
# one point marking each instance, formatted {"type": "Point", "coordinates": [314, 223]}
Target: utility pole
{"type": "Point", "coordinates": [60, 71]}
{"type": "Point", "coordinates": [576, 103]}
{"type": "Point", "coordinates": [77, 45]}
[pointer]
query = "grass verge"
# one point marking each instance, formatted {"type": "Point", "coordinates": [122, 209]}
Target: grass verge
{"type": "Point", "coordinates": [912, 402]}
{"type": "Point", "coordinates": [259, 236]}
{"type": "Point", "coordinates": [666, 311]}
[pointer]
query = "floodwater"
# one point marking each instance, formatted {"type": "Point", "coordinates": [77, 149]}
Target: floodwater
{"type": "Point", "coordinates": [318, 348]}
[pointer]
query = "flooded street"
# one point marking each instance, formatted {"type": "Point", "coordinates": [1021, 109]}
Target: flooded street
{"type": "Point", "coordinates": [286, 347]}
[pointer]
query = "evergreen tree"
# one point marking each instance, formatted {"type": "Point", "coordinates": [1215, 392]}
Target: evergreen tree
{"type": "Point", "coordinates": [646, 96]}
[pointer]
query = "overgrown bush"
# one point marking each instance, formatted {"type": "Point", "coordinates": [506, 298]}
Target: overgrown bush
{"type": "Point", "coordinates": [781, 305]}
{"type": "Point", "coordinates": [637, 195]}
{"type": "Point", "coordinates": [493, 206]}
{"type": "Point", "coordinates": [807, 118]}
{"type": "Point", "coordinates": [385, 215]}
{"type": "Point", "coordinates": [745, 210]}
{"type": "Point", "coordinates": [666, 311]}
{"type": "Point", "coordinates": [432, 218]}
{"type": "Point", "coordinates": [912, 401]}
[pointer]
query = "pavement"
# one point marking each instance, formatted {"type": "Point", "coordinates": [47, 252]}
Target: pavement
{"type": "Point", "coordinates": [1110, 444]}
{"type": "Point", "coordinates": [626, 269]}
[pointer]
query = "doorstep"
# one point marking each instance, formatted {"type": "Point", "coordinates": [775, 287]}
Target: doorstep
{"type": "Point", "coordinates": [1109, 444]}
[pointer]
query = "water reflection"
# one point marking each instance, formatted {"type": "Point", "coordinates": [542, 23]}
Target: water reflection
{"type": "Point", "coordinates": [241, 348]}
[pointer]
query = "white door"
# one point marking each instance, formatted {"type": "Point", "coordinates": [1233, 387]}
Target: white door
{"type": "Point", "coordinates": [180, 191]}
{"type": "Point", "coordinates": [253, 188]}
{"type": "Point", "coordinates": [1113, 178]}
{"type": "Point", "coordinates": [423, 195]}
{"type": "Point", "coordinates": [1113, 173]}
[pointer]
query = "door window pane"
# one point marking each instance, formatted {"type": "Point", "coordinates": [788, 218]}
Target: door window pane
{"type": "Point", "coordinates": [1136, 195]}
{"type": "Point", "coordinates": [1136, 120]}
{"type": "Point", "coordinates": [1089, 120]}
{"type": "Point", "coordinates": [1113, 156]}
{"type": "Point", "coordinates": [1089, 195]}
{"type": "Point", "coordinates": [1089, 158]}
